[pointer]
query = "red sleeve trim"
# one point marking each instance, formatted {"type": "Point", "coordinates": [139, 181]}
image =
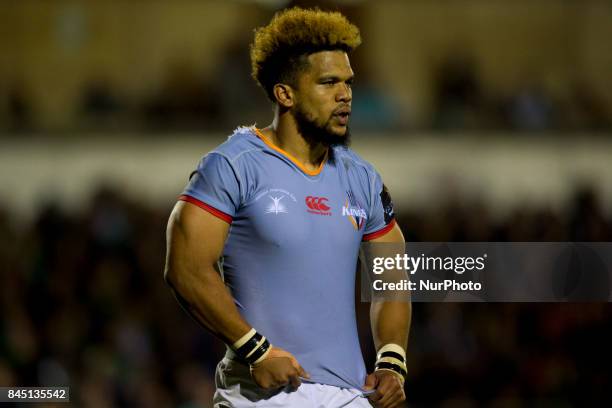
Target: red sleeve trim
{"type": "Point", "coordinates": [217, 213]}
{"type": "Point", "coordinates": [380, 232]}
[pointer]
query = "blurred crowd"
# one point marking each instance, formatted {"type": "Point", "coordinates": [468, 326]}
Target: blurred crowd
{"type": "Point", "coordinates": [187, 101]}
{"type": "Point", "coordinates": [462, 102]}
{"type": "Point", "coordinates": [83, 304]}
{"type": "Point", "coordinates": [184, 66]}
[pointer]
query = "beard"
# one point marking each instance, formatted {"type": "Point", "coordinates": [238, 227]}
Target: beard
{"type": "Point", "coordinates": [315, 133]}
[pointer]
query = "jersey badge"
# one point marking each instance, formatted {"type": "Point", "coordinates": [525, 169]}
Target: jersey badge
{"type": "Point", "coordinates": [354, 211]}
{"type": "Point", "coordinates": [276, 207]}
{"type": "Point", "coordinates": [387, 204]}
{"type": "Point", "coordinates": [277, 200]}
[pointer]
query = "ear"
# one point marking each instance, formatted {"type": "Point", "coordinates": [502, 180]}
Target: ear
{"type": "Point", "coordinates": [284, 95]}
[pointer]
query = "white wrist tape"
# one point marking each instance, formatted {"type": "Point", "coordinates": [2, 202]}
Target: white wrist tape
{"type": "Point", "coordinates": [392, 347]}
{"type": "Point", "coordinates": [392, 357]}
{"type": "Point", "coordinates": [241, 341]}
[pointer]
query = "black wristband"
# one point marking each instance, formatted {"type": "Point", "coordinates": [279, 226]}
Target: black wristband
{"type": "Point", "coordinates": [390, 366]}
{"type": "Point", "coordinates": [247, 347]}
{"type": "Point", "coordinates": [259, 351]}
{"type": "Point", "coordinates": [392, 354]}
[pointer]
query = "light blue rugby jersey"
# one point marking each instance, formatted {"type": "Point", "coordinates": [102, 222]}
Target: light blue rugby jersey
{"type": "Point", "coordinates": [291, 254]}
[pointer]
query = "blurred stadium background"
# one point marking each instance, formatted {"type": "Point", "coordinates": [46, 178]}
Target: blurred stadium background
{"type": "Point", "coordinates": [489, 120]}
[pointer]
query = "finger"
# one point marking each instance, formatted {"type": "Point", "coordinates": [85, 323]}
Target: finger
{"type": "Point", "coordinates": [388, 387]}
{"type": "Point", "coordinates": [370, 382]}
{"type": "Point", "coordinates": [294, 381]}
{"type": "Point", "coordinates": [394, 400]}
{"type": "Point", "coordinates": [300, 370]}
{"type": "Point", "coordinates": [266, 385]}
{"type": "Point", "coordinates": [375, 397]}
{"type": "Point", "coordinates": [273, 383]}
{"type": "Point", "coordinates": [398, 401]}
{"type": "Point", "coordinates": [298, 367]}
{"type": "Point", "coordinates": [385, 397]}
{"type": "Point", "coordinates": [292, 374]}
{"type": "Point", "coordinates": [281, 380]}
{"type": "Point", "coordinates": [302, 373]}
{"type": "Point", "coordinates": [294, 361]}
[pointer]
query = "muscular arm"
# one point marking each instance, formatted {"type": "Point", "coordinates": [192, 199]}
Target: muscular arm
{"type": "Point", "coordinates": [195, 240]}
{"type": "Point", "coordinates": [390, 321]}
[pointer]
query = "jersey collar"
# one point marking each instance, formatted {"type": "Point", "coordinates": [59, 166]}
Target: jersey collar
{"type": "Point", "coordinates": [289, 156]}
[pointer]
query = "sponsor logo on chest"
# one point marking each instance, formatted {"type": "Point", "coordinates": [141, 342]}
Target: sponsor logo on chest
{"type": "Point", "coordinates": [317, 205]}
{"type": "Point", "coordinates": [277, 200]}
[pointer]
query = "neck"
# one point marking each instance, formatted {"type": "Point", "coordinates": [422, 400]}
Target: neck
{"type": "Point", "coordinates": [284, 133]}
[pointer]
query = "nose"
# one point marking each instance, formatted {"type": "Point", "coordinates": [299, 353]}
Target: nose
{"type": "Point", "coordinates": [345, 94]}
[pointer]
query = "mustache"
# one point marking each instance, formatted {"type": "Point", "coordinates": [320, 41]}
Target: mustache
{"type": "Point", "coordinates": [342, 109]}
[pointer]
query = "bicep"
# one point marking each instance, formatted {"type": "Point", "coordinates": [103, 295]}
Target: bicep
{"type": "Point", "coordinates": [195, 238]}
{"type": "Point", "coordinates": [394, 236]}
{"type": "Point", "coordinates": [393, 245]}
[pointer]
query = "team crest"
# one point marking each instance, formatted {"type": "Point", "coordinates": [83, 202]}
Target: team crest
{"type": "Point", "coordinates": [277, 200]}
{"type": "Point", "coordinates": [354, 211]}
{"type": "Point", "coordinates": [276, 207]}
{"type": "Point", "coordinates": [387, 204]}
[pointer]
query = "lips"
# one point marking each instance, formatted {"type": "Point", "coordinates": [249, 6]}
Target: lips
{"type": "Point", "coordinates": [343, 118]}
{"type": "Point", "coordinates": [343, 115]}
{"type": "Point", "coordinates": [343, 111]}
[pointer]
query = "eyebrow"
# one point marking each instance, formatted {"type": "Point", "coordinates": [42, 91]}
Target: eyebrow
{"type": "Point", "coordinates": [335, 78]}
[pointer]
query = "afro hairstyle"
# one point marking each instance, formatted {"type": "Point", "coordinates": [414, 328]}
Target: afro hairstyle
{"type": "Point", "coordinates": [280, 49]}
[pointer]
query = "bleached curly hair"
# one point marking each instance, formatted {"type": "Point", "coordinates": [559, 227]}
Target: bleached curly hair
{"type": "Point", "coordinates": [280, 49]}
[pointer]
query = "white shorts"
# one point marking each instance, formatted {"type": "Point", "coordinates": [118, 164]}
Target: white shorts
{"type": "Point", "coordinates": [236, 389]}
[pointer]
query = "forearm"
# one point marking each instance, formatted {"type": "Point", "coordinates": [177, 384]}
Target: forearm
{"type": "Point", "coordinates": [206, 298]}
{"type": "Point", "coordinates": [390, 320]}
{"type": "Point", "coordinates": [390, 323]}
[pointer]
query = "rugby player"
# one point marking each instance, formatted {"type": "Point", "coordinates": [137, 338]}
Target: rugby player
{"type": "Point", "coordinates": [263, 243]}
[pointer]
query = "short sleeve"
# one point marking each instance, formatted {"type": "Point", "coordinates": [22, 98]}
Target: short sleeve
{"type": "Point", "coordinates": [381, 217]}
{"type": "Point", "coordinates": [214, 186]}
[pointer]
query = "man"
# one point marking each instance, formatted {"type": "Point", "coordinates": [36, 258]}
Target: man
{"type": "Point", "coordinates": [285, 208]}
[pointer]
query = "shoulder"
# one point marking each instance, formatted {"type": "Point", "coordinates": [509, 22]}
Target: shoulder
{"type": "Point", "coordinates": [353, 163]}
{"type": "Point", "coordinates": [239, 143]}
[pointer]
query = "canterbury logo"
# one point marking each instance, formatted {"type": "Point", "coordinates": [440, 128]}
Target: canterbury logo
{"type": "Point", "coordinates": [316, 205]}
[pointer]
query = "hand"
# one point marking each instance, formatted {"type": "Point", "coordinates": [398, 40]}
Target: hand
{"type": "Point", "coordinates": [278, 369]}
{"type": "Point", "coordinates": [389, 388]}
